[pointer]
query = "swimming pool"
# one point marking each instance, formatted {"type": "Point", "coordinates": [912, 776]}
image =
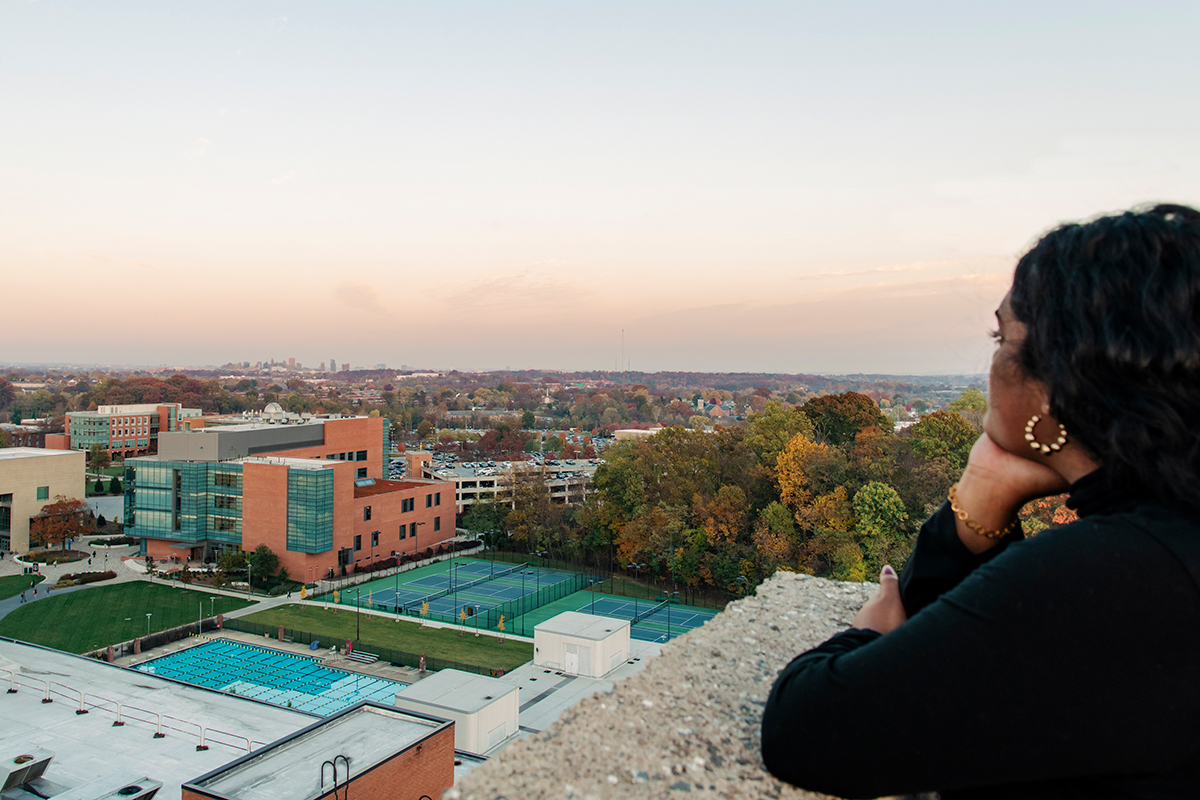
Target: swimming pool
{"type": "Point", "coordinates": [282, 679]}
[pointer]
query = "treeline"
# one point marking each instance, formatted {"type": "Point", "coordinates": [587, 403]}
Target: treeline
{"type": "Point", "coordinates": [825, 488]}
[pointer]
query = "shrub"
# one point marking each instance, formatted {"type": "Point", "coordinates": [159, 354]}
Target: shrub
{"type": "Point", "coordinates": [87, 577]}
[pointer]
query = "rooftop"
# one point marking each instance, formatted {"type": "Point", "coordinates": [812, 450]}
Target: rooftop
{"type": "Point", "coordinates": [457, 691]}
{"type": "Point", "coordinates": [387, 487]}
{"type": "Point", "coordinates": [33, 452]}
{"type": "Point", "coordinates": [689, 722]}
{"type": "Point", "coordinates": [367, 734]}
{"type": "Point", "coordinates": [583, 626]}
{"type": "Point", "coordinates": [88, 746]}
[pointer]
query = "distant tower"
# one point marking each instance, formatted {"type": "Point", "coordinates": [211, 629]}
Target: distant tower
{"type": "Point", "coordinates": [345, 367]}
{"type": "Point", "coordinates": [333, 365]}
{"type": "Point", "coordinates": [292, 363]}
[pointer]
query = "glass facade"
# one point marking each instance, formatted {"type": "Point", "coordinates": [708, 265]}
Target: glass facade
{"type": "Point", "coordinates": [183, 501]}
{"type": "Point", "coordinates": [387, 449]}
{"type": "Point", "coordinates": [88, 429]}
{"type": "Point", "coordinates": [310, 510]}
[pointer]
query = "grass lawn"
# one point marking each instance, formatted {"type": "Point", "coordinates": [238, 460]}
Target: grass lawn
{"type": "Point", "coordinates": [91, 618]}
{"type": "Point", "coordinates": [336, 626]}
{"type": "Point", "coordinates": [12, 585]}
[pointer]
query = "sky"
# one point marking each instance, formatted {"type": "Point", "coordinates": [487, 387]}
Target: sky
{"type": "Point", "coordinates": [742, 186]}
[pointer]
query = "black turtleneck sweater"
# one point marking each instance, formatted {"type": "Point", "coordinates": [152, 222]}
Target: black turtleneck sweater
{"type": "Point", "coordinates": [1065, 665]}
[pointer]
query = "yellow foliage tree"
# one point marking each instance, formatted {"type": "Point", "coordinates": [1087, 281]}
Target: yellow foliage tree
{"type": "Point", "coordinates": [794, 488]}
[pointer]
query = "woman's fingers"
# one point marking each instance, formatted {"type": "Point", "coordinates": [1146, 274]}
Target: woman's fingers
{"type": "Point", "coordinates": [884, 612]}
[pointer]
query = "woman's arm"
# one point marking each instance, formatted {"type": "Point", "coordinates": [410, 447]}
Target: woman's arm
{"type": "Point", "coordinates": [1060, 658]}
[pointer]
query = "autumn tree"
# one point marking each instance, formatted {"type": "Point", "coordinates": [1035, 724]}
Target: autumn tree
{"type": "Point", "coordinates": [836, 418]}
{"type": "Point", "coordinates": [60, 521]}
{"type": "Point", "coordinates": [769, 432]}
{"type": "Point", "coordinates": [881, 526]}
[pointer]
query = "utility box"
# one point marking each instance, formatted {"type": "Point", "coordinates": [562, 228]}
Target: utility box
{"type": "Point", "coordinates": [485, 711]}
{"type": "Point", "coordinates": [581, 644]}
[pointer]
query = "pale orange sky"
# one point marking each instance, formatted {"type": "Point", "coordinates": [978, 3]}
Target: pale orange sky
{"type": "Point", "coordinates": [768, 187]}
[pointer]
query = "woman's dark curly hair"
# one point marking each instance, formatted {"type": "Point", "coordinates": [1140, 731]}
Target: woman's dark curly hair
{"type": "Point", "coordinates": [1112, 308]}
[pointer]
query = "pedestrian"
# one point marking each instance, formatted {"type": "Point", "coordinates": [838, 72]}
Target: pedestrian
{"type": "Point", "coordinates": [35, 593]}
{"type": "Point", "coordinates": [22, 597]}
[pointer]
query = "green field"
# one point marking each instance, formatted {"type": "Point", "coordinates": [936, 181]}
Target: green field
{"type": "Point", "coordinates": [12, 585]}
{"type": "Point", "coordinates": [336, 625]}
{"type": "Point", "coordinates": [92, 618]}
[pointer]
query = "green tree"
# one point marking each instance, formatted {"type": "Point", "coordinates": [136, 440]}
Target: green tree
{"type": "Point", "coordinates": [114, 486]}
{"type": "Point", "coordinates": [880, 524]}
{"type": "Point", "coordinates": [769, 432]}
{"type": "Point", "coordinates": [837, 418]}
{"type": "Point", "coordinates": [263, 563]}
{"type": "Point", "coordinates": [98, 457]}
{"type": "Point", "coordinates": [699, 422]}
{"type": "Point", "coordinates": [944, 434]}
{"type": "Point", "coordinates": [232, 562]}
{"type": "Point", "coordinates": [528, 420]}
{"type": "Point", "coordinates": [970, 400]}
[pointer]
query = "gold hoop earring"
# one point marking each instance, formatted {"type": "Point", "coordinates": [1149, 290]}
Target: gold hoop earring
{"type": "Point", "coordinates": [1047, 449]}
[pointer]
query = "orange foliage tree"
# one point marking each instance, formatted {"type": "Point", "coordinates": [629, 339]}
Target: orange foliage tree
{"type": "Point", "coordinates": [60, 521]}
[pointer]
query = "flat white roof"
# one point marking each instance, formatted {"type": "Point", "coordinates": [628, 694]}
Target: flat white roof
{"type": "Point", "coordinates": [290, 770]}
{"type": "Point", "coordinates": [294, 463]}
{"type": "Point", "coordinates": [456, 691]}
{"type": "Point", "coordinates": [582, 626]}
{"type": "Point", "coordinates": [34, 452]}
{"type": "Point", "coordinates": [87, 746]}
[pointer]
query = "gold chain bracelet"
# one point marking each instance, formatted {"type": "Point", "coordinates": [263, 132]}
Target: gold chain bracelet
{"type": "Point", "coordinates": [975, 526]}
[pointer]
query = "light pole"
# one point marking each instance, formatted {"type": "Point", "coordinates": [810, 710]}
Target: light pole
{"type": "Point", "coordinates": [637, 571]}
{"type": "Point", "coordinates": [147, 624]}
{"type": "Point", "coordinates": [667, 596]}
{"type": "Point", "coordinates": [357, 615]}
{"type": "Point", "coordinates": [212, 604]}
{"type": "Point", "coordinates": [592, 589]}
{"type": "Point", "coordinates": [536, 569]}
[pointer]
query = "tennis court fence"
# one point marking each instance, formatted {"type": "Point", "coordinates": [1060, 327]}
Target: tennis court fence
{"type": "Point", "coordinates": [398, 657]}
{"type": "Point", "coordinates": [489, 619]}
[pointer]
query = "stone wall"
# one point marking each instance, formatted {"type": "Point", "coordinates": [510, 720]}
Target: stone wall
{"type": "Point", "coordinates": [688, 725]}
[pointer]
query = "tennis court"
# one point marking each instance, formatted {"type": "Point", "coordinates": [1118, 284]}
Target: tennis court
{"type": "Point", "coordinates": [282, 679]}
{"type": "Point", "coordinates": [463, 587]}
{"type": "Point", "coordinates": [651, 622]}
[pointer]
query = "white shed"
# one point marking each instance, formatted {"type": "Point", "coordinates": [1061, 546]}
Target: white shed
{"type": "Point", "coordinates": [581, 644]}
{"type": "Point", "coordinates": [484, 710]}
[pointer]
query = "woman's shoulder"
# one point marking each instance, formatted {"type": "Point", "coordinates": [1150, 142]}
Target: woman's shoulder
{"type": "Point", "coordinates": [1148, 538]}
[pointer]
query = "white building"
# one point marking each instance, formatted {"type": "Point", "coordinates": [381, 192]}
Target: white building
{"type": "Point", "coordinates": [484, 710]}
{"type": "Point", "coordinates": [581, 644]}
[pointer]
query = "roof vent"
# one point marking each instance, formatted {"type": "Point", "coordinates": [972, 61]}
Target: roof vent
{"type": "Point", "coordinates": [19, 768]}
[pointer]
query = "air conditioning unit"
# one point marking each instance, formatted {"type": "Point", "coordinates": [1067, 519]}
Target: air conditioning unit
{"type": "Point", "coordinates": [20, 767]}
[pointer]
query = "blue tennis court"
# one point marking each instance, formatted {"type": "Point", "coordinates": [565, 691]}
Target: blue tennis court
{"type": "Point", "coordinates": [282, 679]}
{"type": "Point", "coordinates": [650, 622]}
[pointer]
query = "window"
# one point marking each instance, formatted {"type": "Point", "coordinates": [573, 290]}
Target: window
{"type": "Point", "coordinates": [403, 532]}
{"type": "Point", "coordinates": [366, 513]}
{"type": "Point", "coordinates": [429, 501]}
{"type": "Point", "coordinates": [224, 501]}
{"type": "Point", "coordinates": [407, 504]}
{"type": "Point", "coordinates": [358, 541]}
{"type": "Point", "coordinates": [437, 499]}
{"type": "Point", "coordinates": [227, 479]}
{"type": "Point", "coordinates": [374, 538]}
{"type": "Point", "coordinates": [361, 455]}
{"type": "Point", "coordinates": [43, 493]}
{"type": "Point", "coordinates": [437, 523]}
{"type": "Point", "coordinates": [412, 530]}
{"type": "Point", "coordinates": [361, 473]}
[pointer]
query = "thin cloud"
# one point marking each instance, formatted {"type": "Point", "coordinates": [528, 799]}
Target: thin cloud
{"type": "Point", "coordinates": [359, 296]}
{"type": "Point", "coordinates": [525, 288]}
{"type": "Point", "coordinates": [287, 177]}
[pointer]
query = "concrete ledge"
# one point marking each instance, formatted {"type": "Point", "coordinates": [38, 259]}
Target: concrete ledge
{"type": "Point", "coordinates": [688, 725]}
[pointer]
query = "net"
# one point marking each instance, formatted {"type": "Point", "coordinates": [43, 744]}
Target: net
{"type": "Point", "coordinates": [462, 587]}
{"type": "Point", "coordinates": [657, 608]}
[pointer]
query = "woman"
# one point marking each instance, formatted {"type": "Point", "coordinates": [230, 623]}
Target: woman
{"type": "Point", "coordinates": [1065, 665]}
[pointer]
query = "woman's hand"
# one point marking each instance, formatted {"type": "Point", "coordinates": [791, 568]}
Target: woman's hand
{"type": "Point", "coordinates": [884, 612]}
{"type": "Point", "coordinates": [995, 485]}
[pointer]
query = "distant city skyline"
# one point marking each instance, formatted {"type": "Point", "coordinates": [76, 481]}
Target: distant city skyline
{"type": "Point", "coordinates": [775, 187]}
